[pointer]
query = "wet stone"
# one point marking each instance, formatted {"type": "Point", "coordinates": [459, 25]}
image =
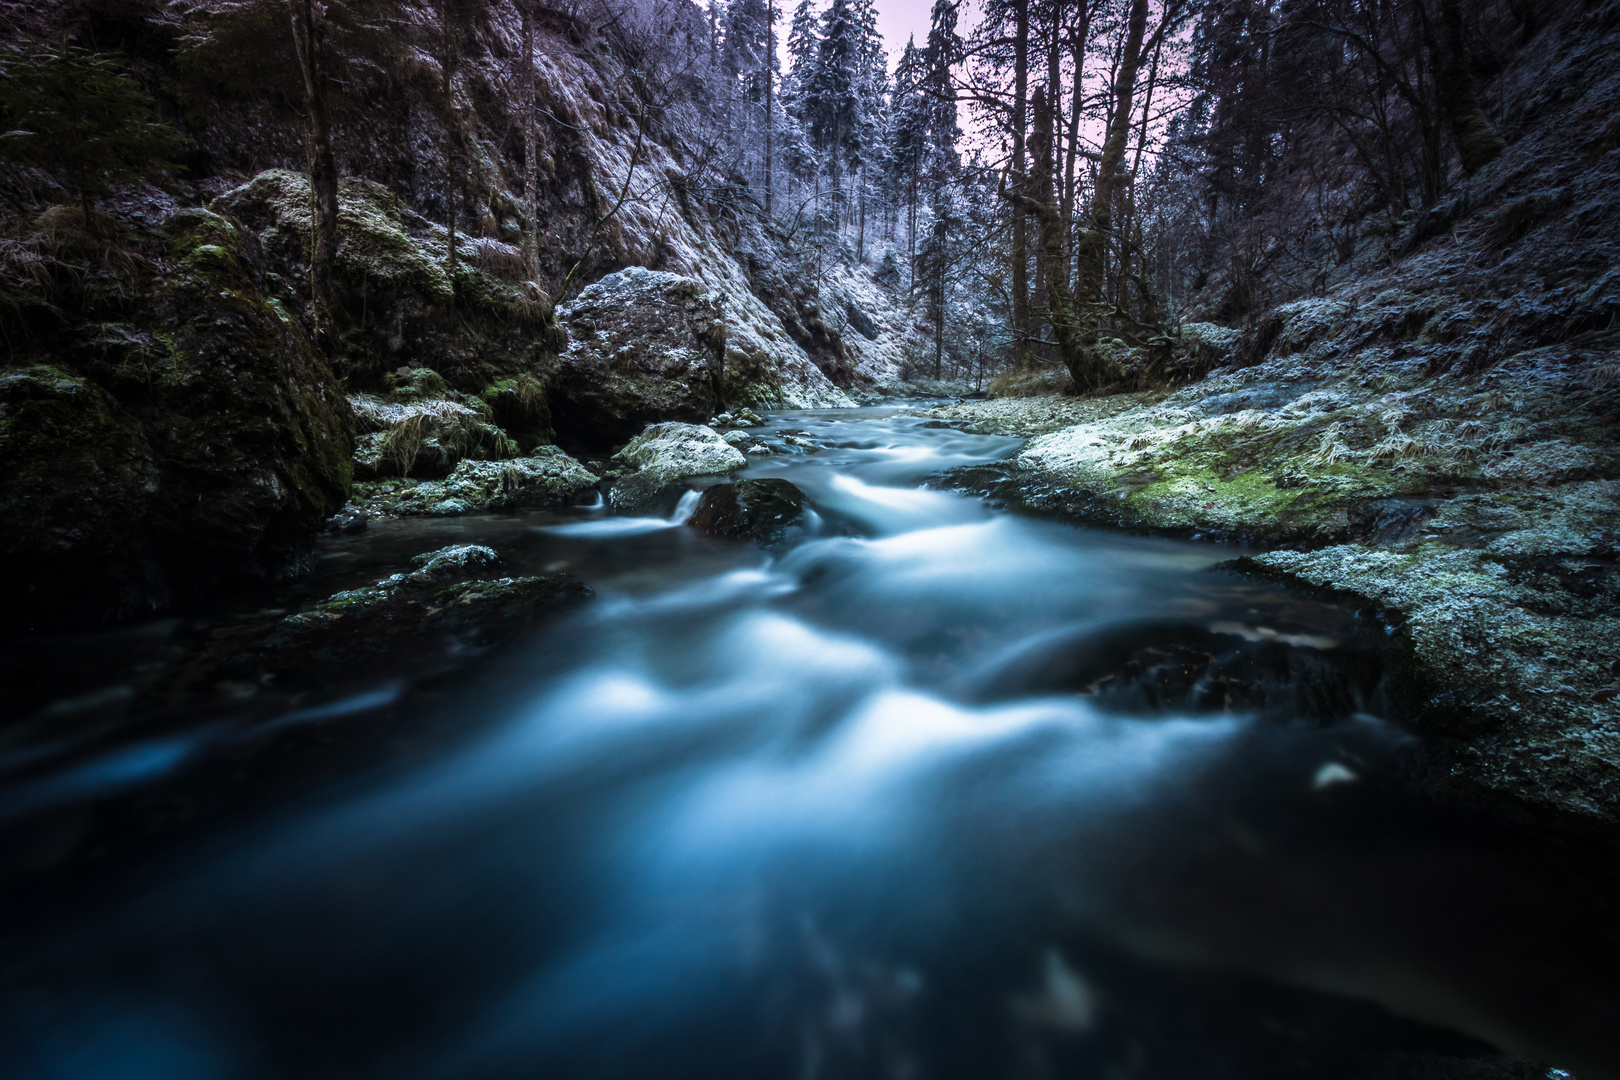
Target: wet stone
{"type": "Point", "coordinates": [759, 510]}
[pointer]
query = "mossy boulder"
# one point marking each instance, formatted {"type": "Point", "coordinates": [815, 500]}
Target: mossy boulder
{"type": "Point", "coordinates": [546, 478]}
{"type": "Point", "coordinates": [429, 616]}
{"type": "Point", "coordinates": [645, 346]}
{"type": "Point", "coordinates": [666, 454]}
{"type": "Point", "coordinates": [758, 510]}
{"type": "Point", "coordinates": [183, 436]}
{"type": "Point", "coordinates": [407, 434]}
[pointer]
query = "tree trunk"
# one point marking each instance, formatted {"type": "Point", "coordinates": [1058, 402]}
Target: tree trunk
{"type": "Point", "coordinates": [770, 79]}
{"type": "Point", "coordinates": [860, 237]}
{"type": "Point", "coordinates": [1077, 53]}
{"type": "Point", "coordinates": [1478, 141]}
{"type": "Point", "coordinates": [1039, 201]}
{"type": "Point", "coordinates": [531, 149]}
{"type": "Point", "coordinates": [309, 39]}
{"type": "Point", "coordinates": [1091, 247]}
{"type": "Point", "coordinates": [1020, 245]}
{"type": "Point", "coordinates": [448, 63]}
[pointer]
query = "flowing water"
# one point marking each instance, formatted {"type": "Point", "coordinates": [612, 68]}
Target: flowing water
{"type": "Point", "coordinates": [928, 791]}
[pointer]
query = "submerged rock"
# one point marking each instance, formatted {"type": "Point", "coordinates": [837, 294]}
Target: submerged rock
{"type": "Point", "coordinates": [667, 453]}
{"type": "Point", "coordinates": [758, 510]}
{"type": "Point", "coordinates": [410, 619]}
{"type": "Point", "coordinates": [548, 477]}
{"type": "Point", "coordinates": [747, 442]}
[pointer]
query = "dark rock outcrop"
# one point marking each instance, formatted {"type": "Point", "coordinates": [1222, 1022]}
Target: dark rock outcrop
{"type": "Point", "coordinates": [758, 510]}
{"type": "Point", "coordinates": [645, 346]}
{"type": "Point", "coordinates": [415, 621]}
{"type": "Point", "coordinates": [171, 433]}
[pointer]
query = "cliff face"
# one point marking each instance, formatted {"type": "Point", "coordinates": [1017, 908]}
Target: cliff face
{"type": "Point", "coordinates": [161, 369]}
{"type": "Point", "coordinates": [621, 182]}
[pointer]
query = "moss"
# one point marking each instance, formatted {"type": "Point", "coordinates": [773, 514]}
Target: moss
{"type": "Point", "coordinates": [1513, 653]}
{"type": "Point", "coordinates": [547, 477]}
{"type": "Point", "coordinates": [521, 406]}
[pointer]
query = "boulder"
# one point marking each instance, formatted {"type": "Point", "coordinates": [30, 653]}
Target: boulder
{"type": "Point", "coordinates": [182, 437]}
{"type": "Point", "coordinates": [547, 477]}
{"type": "Point", "coordinates": [406, 621]}
{"type": "Point", "coordinates": [758, 510]}
{"type": "Point", "coordinates": [645, 346]}
{"type": "Point", "coordinates": [667, 453]}
{"type": "Point", "coordinates": [427, 437]}
{"type": "Point", "coordinates": [747, 442]}
{"type": "Point", "coordinates": [453, 563]}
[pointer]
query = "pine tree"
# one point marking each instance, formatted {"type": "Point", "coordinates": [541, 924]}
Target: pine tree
{"type": "Point", "coordinates": [945, 51]}
{"type": "Point", "coordinates": [832, 106]}
{"type": "Point", "coordinates": [909, 139]}
{"type": "Point", "coordinates": [802, 43]}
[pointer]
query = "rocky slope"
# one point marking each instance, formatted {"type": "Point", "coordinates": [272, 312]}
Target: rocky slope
{"type": "Point", "coordinates": [1435, 439]}
{"type": "Point", "coordinates": [169, 425]}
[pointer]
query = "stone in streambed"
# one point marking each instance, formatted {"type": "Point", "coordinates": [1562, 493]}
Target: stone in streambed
{"type": "Point", "coordinates": [416, 621]}
{"type": "Point", "coordinates": [665, 454]}
{"type": "Point", "coordinates": [644, 346]}
{"type": "Point", "coordinates": [747, 442]}
{"type": "Point", "coordinates": [758, 510]}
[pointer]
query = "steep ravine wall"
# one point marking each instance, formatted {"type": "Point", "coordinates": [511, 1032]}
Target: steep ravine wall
{"type": "Point", "coordinates": [146, 345]}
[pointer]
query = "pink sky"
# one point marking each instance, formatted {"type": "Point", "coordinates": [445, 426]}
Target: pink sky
{"type": "Point", "coordinates": [897, 21]}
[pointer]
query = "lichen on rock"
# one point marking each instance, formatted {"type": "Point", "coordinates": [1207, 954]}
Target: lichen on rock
{"type": "Point", "coordinates": [547, 477]}
{"type": "Point", "coordinates": [665, 454]}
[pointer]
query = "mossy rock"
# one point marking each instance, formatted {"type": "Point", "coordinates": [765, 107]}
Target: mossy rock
{"type": "Point", "coordinates": [179, 439]}
{"type": "Point", "coordinates": [393, 290]}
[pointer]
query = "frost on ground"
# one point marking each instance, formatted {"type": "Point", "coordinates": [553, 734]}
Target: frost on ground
{"type": "Point", "coordinates": [1432, 445]}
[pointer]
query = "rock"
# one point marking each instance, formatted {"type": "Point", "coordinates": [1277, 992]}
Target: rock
{"type": "Point", "coordinates": [411, 622]}
{"type": "Point", "coordinates": [645, 346]}
{"type": "Point", "coordinates": [548, 477]}
{"type": "Point", "coordinates": [747, 442]}
{"type": "Point", "coordinates": [737, 418]}
{"type": "Point", "coordinates": [181, 438]}
{"type": "Point", "coordinates": [758, 510]}
{"type": "Point", "coordinates": [1501, 606]}
{"type": "Point", "coordinates": [348, 521]}
{"type": "Point", "coordinates": [667, 453]}
{"type": "Point", "coordinates": [797, 442]}
{"type": "Point", "coordinates": [453, 563]}
{"type": "Point", "coordinates": [427, 437]}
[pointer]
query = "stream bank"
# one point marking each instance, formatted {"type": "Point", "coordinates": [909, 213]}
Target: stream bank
{"type": "Point", "coordinates": [1483, 533]}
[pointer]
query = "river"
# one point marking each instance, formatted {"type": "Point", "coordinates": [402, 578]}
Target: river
{"type": "Point", "coordinates": [931, 790]}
